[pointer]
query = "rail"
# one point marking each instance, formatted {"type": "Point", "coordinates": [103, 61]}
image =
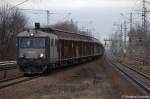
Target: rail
{"type": "Point", "coordinates": [16, 81]}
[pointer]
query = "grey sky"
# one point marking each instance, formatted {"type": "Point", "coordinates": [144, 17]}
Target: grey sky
{"type": "Point", "coordinates": [97, 15]}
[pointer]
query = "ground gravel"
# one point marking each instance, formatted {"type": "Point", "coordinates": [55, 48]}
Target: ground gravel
{"type": "Point", "coordinates": [94, 80]}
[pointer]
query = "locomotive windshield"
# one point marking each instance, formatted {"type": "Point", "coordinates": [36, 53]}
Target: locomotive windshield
{"type": "Point", "coordinates": [36, 42]}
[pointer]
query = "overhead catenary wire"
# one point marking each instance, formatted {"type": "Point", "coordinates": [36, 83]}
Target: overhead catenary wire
{"type": "Point", "coordinates": [20, 4]}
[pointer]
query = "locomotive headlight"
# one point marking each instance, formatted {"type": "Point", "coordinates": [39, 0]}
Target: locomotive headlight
{"type": "Point", "coordinates": [41, 55]}
{"type": "Point", "coordinates": [31, 34]}
{"type": "Point", "coordinates": [23, 56]}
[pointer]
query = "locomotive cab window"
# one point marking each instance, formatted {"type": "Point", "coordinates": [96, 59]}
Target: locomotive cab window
{"type": "Point", "coordinates": [24, 42]}
{"type": "Point", "coordinates": [36, 42]}
{"type": "Point", "coordinates": [39, 42]}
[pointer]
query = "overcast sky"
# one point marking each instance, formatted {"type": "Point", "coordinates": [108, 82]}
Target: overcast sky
{"type": "Point", "coordinates": [96, 15]}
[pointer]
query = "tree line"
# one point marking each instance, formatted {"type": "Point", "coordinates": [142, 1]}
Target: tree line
{"type": "Point", "coordinates": [12, 21]}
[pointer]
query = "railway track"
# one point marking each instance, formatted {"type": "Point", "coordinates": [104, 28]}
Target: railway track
{"type": "Point", "coordinates": [15, 81]}
{"type": "Point", "coordinates": [142, 81]}
{"type": "Point", "coordinates": [9, 79]}
{"type": "Point", "coordinates": [10, 65]}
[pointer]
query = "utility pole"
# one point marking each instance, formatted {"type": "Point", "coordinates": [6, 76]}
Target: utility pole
{"type": "Point", "coordinates": [131, 19]}
{"type": "Point", "coordinates": [144, 17]}
{"type": "Point", "coordinates": [48, 16]}
{"type": "Point", "coordinates": [143, 35]}
{"type": "Point", "coordinates": [120, 35]}
{"type": "Point", "coordinates": [125, 40]}
{"type": "Point", "coordinates": [130, 35]}
{"type": "Point", "coordinates": [130, 48]}
{"type": "Point", "coordinates": [121, 32]}
{"type": "Point", "coordinates": [118, 39]}
{"type": "Point", "coordinates": [125, 34]}
{"type": "Point", "coordinates": [121, 43]}
{"type": "Point", "coordinates": [144, 23]}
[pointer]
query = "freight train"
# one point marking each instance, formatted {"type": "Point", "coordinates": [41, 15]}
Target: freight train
{"type": "Point", "coordinates": [40, 50]}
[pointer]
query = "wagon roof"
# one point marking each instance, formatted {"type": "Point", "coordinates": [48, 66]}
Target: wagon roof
{"type": "Point", "coordinates": [67, 35]}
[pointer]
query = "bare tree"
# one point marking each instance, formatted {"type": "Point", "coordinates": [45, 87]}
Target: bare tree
{"type": "Point", "coordinates": [69, 26]}
{"type": "Point", "coordinates": [11, 22]}
{"type": "Point", "coordinates": [66, 26]}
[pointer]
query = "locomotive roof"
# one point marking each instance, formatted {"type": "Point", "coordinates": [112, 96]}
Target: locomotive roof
{"type": "Point", "coordinates": [29, 32]}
